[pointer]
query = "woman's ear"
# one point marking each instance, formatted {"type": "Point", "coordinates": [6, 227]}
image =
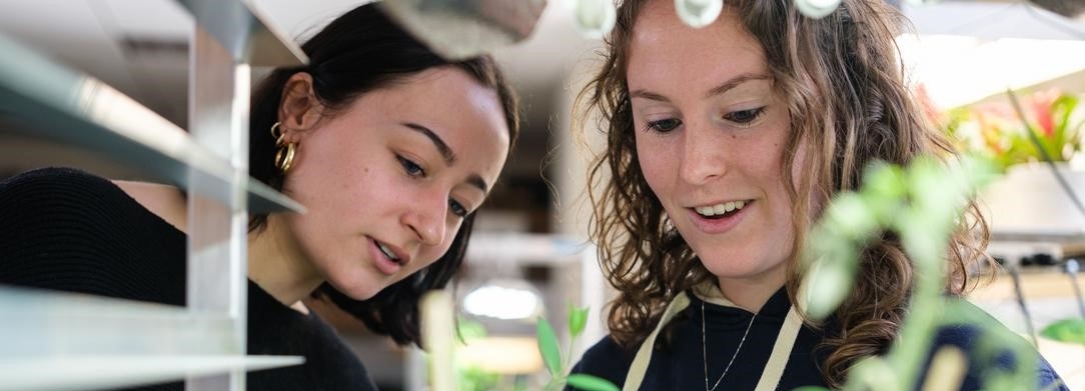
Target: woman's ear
{"type": "Point", "coordinates": [299, 109]}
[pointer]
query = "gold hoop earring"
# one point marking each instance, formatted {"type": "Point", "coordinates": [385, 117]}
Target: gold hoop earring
{"type": "Point", "coordinates": [274, 134]}
{"type": "Point", "coordinates": [284, 156]}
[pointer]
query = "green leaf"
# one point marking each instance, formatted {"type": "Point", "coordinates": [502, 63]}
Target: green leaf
{"type": "Point", "coordinates": [923, 240]}
{"type": "Point", "coordinates": [884, 180]}
{"type": "Point", "coordinates": [979, 171]}
{"type": "Point", "coordinates": [849, 215]}
{"type": "Point", "coordinates": [1066, 330]}
{"type": "Point", "coordinates": [470, 329]}
{"type": "Point", "coordinates": [827, 283]}
{"type": "Point", "coordinates": [591, 383]}
{"type": "Point", "coordinates": [548, 346]}
{"type": "Point", "coordinates": [578, 317]}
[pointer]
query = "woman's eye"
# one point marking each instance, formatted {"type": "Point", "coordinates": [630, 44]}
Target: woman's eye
{"type": "Point", "coordinates": [457, 208]}
{"type": "Point", "coordinates": [411, 168]}
{"type": "Point", "coordinates": [744, 116]}
{"type": "Point", "coordinates": [664, 125]}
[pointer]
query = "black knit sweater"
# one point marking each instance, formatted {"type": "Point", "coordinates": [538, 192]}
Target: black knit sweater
{"type": "Point", "coordinates": [68, 230]}
{"type": "Point", "coordinates": [678, 363]}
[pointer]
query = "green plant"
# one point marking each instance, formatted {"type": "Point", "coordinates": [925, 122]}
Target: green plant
{"type": "Point", "coordinates": [557, 365]}
{"type": "Point", "coordinates": [1066, 330]}
{"type": "Point", "coordinates": [471, 377]}
{"type": "Point", "coordinates": [922, 203]}
{"type": "Point", "coordinates": [1051, 127]}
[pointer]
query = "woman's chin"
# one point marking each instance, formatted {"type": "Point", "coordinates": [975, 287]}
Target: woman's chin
{"type": "Point", "coordinates": [359, 290]}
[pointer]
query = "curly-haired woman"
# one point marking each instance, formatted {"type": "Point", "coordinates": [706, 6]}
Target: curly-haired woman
{"type": "Point", "coordinates": [723, 145]}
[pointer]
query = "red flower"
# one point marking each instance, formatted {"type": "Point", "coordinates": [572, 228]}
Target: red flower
{"type": "Point", "coordinates": [1042, 104]}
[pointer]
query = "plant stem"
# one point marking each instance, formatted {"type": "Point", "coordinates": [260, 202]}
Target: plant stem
{"type": "Point", "coordinates": [916, 334]}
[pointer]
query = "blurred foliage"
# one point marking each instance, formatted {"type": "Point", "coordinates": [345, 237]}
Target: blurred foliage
{"type": "Point", "coordinates": [1066, 330]}
{"type": "Point", "coordinates": [923, 204]}
{"type": "Point", "coordinates": [473, 378]}
{"type": "Point", "coordinates": [558, 367]}
{"type": "Point", "coordinates": [995, 130]}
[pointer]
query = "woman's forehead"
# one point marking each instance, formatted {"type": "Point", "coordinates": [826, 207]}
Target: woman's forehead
{"type": "Point", "coordinates": [664, 52]}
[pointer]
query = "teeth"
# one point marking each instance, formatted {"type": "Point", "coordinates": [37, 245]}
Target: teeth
{"type": "Point", "coordinates": [719, 209]}
{"type": "Point", "coordinates": [387, 252]}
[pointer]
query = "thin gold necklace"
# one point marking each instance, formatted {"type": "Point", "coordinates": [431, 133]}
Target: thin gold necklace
{"type": "Point", "coordinates": [704, 349]}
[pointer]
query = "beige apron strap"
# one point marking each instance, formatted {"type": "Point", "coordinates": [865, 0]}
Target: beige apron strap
{"type": "Point", "coordinates": [781, 352]}
{"type": "Point", "coordinates": [710, 293]}
{"type": "Point", "coordinates": [635, 376]}
{"type": "Point", "coordinates": [774, 369]}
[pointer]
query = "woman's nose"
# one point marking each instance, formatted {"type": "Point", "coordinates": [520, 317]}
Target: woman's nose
{"type": "Point", "coordinates": [702, 156]}
{"type": "Point", "coordinates": [427, 219]}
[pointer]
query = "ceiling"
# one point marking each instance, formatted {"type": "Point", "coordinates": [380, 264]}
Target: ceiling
{"type": "Point", "coordinates": [140, 47]}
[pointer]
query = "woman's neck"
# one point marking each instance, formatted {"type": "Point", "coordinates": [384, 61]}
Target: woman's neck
{"type": "Point", "coordinates": [751, 294]}
{"type": "Point", "coordinates": [278, 266]}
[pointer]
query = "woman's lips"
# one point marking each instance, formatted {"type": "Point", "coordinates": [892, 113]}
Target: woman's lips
{"type": "Point", "coordinates": [719, 224]}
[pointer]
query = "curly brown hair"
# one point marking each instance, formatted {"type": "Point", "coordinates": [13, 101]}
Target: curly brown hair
{"type": "Point", "coordinates": [848, 107]}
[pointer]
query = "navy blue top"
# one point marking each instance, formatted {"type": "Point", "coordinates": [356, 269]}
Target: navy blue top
{"type": "Point", "coordinates": [678, 360]}
{"type": "Point", "coordinates": [65, 229]}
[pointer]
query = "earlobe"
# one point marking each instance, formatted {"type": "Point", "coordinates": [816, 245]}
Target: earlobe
{"type": "Point", "coordinates": [299, 109]}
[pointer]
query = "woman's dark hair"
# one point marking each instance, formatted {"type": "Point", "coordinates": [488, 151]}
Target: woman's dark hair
{"type": "Point", "coordinates": [361, 51]}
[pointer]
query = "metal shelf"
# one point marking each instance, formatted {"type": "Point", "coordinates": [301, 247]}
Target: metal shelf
{"type": "Point", "coordinates": [243, 29]}
{"type": "Point", "coordinates": [67, 341]}
{"type": "Point", "coordinates": [39, 322]}
{"type": "Point", "coordinates": [64, 341]}
{"type": "Point", "coordinates": [64, 105]}
{"type": "Point", "coordinates": [95, 372]}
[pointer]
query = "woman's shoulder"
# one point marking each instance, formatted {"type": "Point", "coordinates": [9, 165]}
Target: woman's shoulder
{"type": "Point", "coordinates": [606, 359]}
{"type": "Point", "coordinates": [54, 180]}
{"type": "Point", "coordinates": [608, 347]}
{"type": "Point", "coordinates": [165, 201]}
{"type": "Point", "coordinates": [968, 325]}
{"type": "Point", "coordinates": [57, 197]}
{"type": "Point", "coordinates": [989, 345]}
{"type": "Point", "coordinates": [70, 230]}
{"type": "Point", "coordinates": [74, 193]}
{"type": "Point", "coordinates": [276, 329]}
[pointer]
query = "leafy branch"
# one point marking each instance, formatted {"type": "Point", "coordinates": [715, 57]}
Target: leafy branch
{"type": "Point", "coordinates": [559, 366]}
{"type": "Point", "coordinates": [922, 204]}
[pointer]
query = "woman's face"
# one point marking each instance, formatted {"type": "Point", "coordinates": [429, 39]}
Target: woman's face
{"type": "Point", "coordinates": [710, 137]}
{"type": "Point", "coordinates": [388, 179]}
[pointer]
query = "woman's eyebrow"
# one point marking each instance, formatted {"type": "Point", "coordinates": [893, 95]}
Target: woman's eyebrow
{"type": "Point", "coordinates": [735, 82]}
{"type": "Point", "coordinates": [442, 147]}
{"type": "Point", "coordinates": [720, 89]}
{"type": "Point", "coordinates": [641, 93]}
{"type": "Point", "coordinates": [447, 153]}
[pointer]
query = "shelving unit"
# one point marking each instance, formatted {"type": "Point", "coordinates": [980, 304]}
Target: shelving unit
{"type": "Point", "coordinates": [60, 341]}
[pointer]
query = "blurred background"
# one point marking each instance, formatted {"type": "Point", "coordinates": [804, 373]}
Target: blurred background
{"type": "Point", "coordinates": [530, 255]}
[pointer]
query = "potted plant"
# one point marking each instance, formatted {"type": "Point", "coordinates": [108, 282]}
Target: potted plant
{"type": "Point", "coordinates": [996, 130]}
{"type": "Point", "coordinates": [1033, 198]}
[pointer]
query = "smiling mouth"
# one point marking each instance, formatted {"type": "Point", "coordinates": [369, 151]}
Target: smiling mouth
{"type": "Point", "coordinates": [721, 210]}
{"type": "Point", "coordinates": [388, 253]}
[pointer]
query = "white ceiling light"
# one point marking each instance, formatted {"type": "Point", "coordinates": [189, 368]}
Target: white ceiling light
{"type": "Point", "coordinates": [507, 299]}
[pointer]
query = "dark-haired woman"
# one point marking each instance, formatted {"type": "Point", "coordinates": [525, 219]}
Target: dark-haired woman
{"type": "Point", "coordinates": [391, 149]}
